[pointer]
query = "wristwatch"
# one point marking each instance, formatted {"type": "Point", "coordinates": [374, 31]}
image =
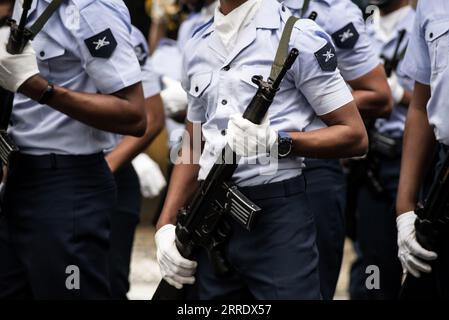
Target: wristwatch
{"type": "Point", "coordinates": [285, 143]}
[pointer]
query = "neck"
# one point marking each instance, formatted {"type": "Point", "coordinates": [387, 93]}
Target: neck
{"type": "Point", "coordinates": [226, 6]}
{"type": "Point", "coordinates": [395, 5]}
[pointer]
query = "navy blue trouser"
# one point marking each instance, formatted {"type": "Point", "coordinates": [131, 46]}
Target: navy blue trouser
{"type": "Point", "coordinates": [278, 259]}
{"type": "Point", "coordinates": [124, 220]}
{"type": "Point", "coordinates": [326, 190]}
{"type": "Point", "coordinates": [377, 237]}
{"type": "Point", "coordinates": [55, 228]}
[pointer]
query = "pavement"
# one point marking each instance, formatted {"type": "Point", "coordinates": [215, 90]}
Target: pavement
{"type": "Point", "coordinates": [145, 274]}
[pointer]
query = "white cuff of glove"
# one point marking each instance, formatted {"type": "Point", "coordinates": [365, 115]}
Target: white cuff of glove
{"type": "Point", "coordinates": [247, 139]}
{"type": "Point", "coordinates": [18, 68]}
{"type": "Point", "coordinates": [173, 96]}
{"type": "Point", "coordinates": [175, 269]}
{"type": "Point", "coordinates": [397, 91]}
{"type": "Point", "coordinates": [412, 255]}
{"type": "Point", "coordinates": [151, 179]}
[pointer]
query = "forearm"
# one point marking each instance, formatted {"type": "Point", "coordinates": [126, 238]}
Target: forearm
{"type": "Point", "coordinates": [418, 150]}
{"type": "Point", "coordinates": [371, 104]}
{"type": "Point", "coordinates": [372, 94]}
{"type": "Point", "coordinates": [333, 142]}
{"type": "Point", "coordinates": [130, 147]}
{"type": "Point", "coordinates": [345, 136]}
{"type": "Point", "coordinates": [111, 113]}
{"type": "Point", "coordinates": [182, 187]}
{"type": "Point", "coordinates": [184, 179]}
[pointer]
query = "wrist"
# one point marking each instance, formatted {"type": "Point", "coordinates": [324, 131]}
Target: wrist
{"type": "Point", "coordinates": [34, 87]}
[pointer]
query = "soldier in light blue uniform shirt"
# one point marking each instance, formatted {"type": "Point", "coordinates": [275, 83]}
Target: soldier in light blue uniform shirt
{"type": "Point", "coordinates": [427, 63]}
{"type": "Point", "coordinates": [81, 80]}
{"type": "Point", "coordinates": [361, 68]}
{"type": "Point", "coordinates": [391, 27]}
{"type": "Point", "coordinates": [278, 258]}
{"type": "Point", "coordinates": [202, 12]}
{"type": "Point", "coordinates": [125, 217]}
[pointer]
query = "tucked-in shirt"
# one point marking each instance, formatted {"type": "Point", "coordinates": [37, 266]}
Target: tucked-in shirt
{"type": "Point", "coordinates": [426, 61]}
{"type": "Point", "coordinates": [219, 85]}
{"type": "Point", "coordinates": [85, 47]}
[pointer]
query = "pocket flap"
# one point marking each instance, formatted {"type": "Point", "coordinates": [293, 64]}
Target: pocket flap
{"type": "Point", "coordinates": [199, 82]}
{"type": "Point", "coordinates": [436, 29]}
{"type": "Point", "coordinates": [47, 49]}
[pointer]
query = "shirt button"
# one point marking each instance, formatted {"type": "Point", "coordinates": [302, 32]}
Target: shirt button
{"type": "Point", "coordinates": [223, 132]}
{"type": "Point", "coordinates": [224, 102]}
{"type": "Point", "coordinates": [226, 68]}
{"type": "Point", "coordinates": [42, 53]}
{"type": "Point", "coordinates": [283, 8]}
{"type": "Point", "coordinates": [197, 89]}
{"type": "Point", "coordinates": [431, 35]}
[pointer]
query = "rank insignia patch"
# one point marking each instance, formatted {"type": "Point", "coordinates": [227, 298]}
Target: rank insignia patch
{"type": "Point", "coordinates": [102, 45]}
{"type": "Point", "coordinates": [327, 58]}
{"type": "Point", "coordinates": [346, 37]}
{"type": "Point", "coordinates": [141, 53]}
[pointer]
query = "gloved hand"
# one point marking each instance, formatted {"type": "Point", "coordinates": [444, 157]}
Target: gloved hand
{"type": "Point", "coordinates": [173, 96]}
{"type": "Point", "coordinates": [151, 179]}
{"type": "Point", "coordinates": [248, 139]}
{"type": "Point", "coordinates": [18, 68]}
{"type": "Point", "coordinates": [175, 269]}
{"type": "Point", "coordinates": [397, 90]}
{"type": "Point", "coordinates": [411, 253]}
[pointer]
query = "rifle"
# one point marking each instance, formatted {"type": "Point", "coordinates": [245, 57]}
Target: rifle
{"type": "Point", "coordinates": [202, 224]}
{"type": "Point", "coordinates": [431, 226]}
{"type": "Point", "coordinates": [16, 43]}
{"type": "Point", "coordinates": [391, 65]}
{"type": "Point", "coordinates": [18, 39]}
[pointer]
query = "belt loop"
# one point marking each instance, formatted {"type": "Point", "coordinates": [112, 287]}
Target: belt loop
{"type": "Point", "coordinates": [53, 161]}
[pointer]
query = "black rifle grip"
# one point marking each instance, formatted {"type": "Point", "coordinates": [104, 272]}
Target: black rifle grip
{"type": "Point", "coordinates": [165, 291]}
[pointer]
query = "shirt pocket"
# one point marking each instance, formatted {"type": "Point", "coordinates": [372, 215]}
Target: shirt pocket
{"type": "Point", "coordinates": [437, 38]}
{"type": "Point", "coordinates": [48, 54]}
{"type": "Point", "coordinates": [246, 77]}
{"type": "Point", "coordinates": [199, 83]}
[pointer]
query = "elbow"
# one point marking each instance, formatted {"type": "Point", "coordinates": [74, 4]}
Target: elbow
{"type": "Point", "coordinates": [137, 125]}
{"type": "Point", "coordinates": [140, 128]}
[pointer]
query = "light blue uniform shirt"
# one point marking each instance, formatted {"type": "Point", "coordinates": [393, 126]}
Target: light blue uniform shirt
{"type": "Point", "coordinates": [427, 58]}
{"type": "Point", "coordinates": [215, 93]}
{"type": "Point", "coordinates": [167, 59]}
{"type": "Point", "coordinates": [75, 50]}
{"type": "Point", "coordinates": [151, 81]}
{"type": "Point", "coordinates": [343, 20]}
{"type": "Point", "coordinates": [395, 124]}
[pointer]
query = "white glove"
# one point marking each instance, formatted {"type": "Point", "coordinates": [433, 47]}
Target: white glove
{"type": "Point", "coordinates": [411, 253]}
{"type": "Point", "coordinates": [173, 96]}
{"type": "Point", "coordinates": [248, 139]}
{"type": "Point", "coordinates": [151, 179]}
{"type": "Point", "coordinates": [175, 269]}
{"type": "Point", "coordinates": [397, 90]}
{"type": "Point", "coordinates": [18, 68]}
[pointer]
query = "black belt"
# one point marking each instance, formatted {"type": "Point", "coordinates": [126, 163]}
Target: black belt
{"type": "Point", "coordinates": [54, 161]}
{"type": "Point", "coordinates": [276, 189]}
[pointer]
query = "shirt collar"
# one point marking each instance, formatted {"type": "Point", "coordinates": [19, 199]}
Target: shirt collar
{"type": "Point", "coordinates": [265, 17]}
{"type": "Point", "coordinates": [294, 4]}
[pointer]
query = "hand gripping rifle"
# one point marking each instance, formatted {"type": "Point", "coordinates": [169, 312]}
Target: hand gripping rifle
{"type": "Point", "coordinates": [18, 39]}
{"type": "Point", "coordinates": [201, 224]}
{"type": "Point", "coordinates": [431, 226]}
